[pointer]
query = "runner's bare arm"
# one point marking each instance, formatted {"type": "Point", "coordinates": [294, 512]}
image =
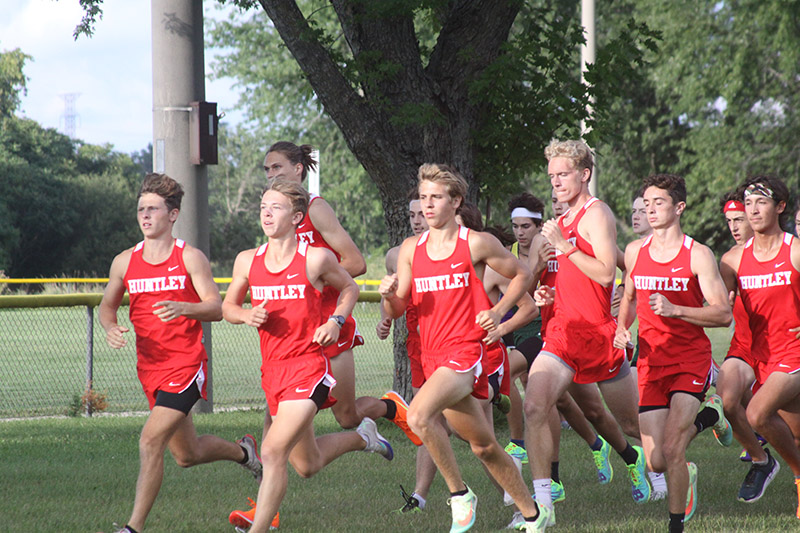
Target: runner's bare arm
{"type": "Point", "coordinates": [324, 219]}
{"type": "Point", "coordinates": [112, 298]}
{"type": "Point", "coordinates": [395, 289]}
{"type": "Point", "coordinates": [322, 265]}
{"type": "Point", "coordinates": [232, 309]}
{"type": "Point", "coordinates": [627, 305]}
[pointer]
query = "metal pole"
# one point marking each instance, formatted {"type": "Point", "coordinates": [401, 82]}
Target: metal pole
{"type": "Point", "coordinates": [587, 58]}
{"type": "Point", "coordinates": [89, 355]}
{"type": "Point", "coordinates": [178, 79]}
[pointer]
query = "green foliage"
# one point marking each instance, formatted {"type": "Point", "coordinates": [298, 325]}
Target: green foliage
{"type": "Point", "coordinates": [12, 80]}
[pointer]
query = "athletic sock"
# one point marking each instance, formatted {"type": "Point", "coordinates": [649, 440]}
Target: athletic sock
{"type": "Point", "coordinates": [706, 418]}
{"type": "Point", "coordinates": [598, 444]}
{"type": "Point", "coordinates": [676, 522]}
{"type": "Point", "coordinates": [542, 491]}
{"type": "Point", "coordinates": [129, 529]}
{"type": "Point", "coordinates": [243, 461]}
{"type": "Point", "coordinates": [461, 492]}
{"type": "Point", "coordinates": [518, 442]}
{"type": "Point", "coordinates": [420, 499]}
{"type": "Point", "coordinates": [391, 409]}
{"type": "Point", "coordinates": [534, 517]}
{"type": "Point", "coordinates": [629, 455]}
{"type": "Point", "coordinates": [554, 472]}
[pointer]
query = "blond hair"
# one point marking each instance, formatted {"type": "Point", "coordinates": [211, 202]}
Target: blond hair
{"type": "Point", "coordinates": [295, 192]}
{"type": "Point", "coordinates": [576, 151]}
{"type": "Point", "coordinates": [453, 181]}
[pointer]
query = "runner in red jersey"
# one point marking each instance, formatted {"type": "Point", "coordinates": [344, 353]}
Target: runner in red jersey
{"type": "Point", "coordinates": [668, 278]}
{"type": "Point", "coordinates": [425, 467]}
{"type": "Point", "coordinates": [440, 272]}
{"type": "Point", "coordinates": [171, 291]}
{"type": "Point", "coordinates": [767, 270]}
{"type": "Point", "coordinates": [737, 374]}
{"type": "Point", "coordinates": [285, 278]}
{"type": "Point", "coordinates": [578, 350]}
{"type": "Point", "coordinates": [321, 228]}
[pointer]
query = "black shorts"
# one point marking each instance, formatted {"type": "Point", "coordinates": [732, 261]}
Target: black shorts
{"type": "Point", "coordinates": [530, 348]}
{"type": "Point", "coordinates": [182, 401]}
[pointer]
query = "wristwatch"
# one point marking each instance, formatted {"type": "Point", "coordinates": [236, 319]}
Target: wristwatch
{"type": "Point", "coordinates": [339, 319]}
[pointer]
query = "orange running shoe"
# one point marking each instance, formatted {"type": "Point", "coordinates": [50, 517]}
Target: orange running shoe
{"type": "Point", "coordinates": [244, 519]}
{"type": "Point", "coordinates": [400, 417]}
{"type": "Point", "coordinates": [797, 484]}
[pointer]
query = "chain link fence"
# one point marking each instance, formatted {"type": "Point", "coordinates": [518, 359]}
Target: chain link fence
{"type": "Point", "coordinates": [51, 347]}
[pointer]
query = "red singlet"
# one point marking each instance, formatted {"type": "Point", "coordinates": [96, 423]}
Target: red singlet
{"type": "Point", "coordinates": [667, 340]}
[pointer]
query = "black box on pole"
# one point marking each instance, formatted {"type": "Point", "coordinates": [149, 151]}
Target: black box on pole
{"type": "Point", "coordinates": [203, 125]}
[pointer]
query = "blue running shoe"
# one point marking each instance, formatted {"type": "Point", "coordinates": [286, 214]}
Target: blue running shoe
{"type": "Point", "coordinates": [518, 452]}
{"type": "Point", "coordinates": [640, 487]}
{"type": "Point", "coordinates": [605, 472]}
{"type": "Point", "coordinates": [557, 493]}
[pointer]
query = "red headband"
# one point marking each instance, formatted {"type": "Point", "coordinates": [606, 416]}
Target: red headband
{"type": "Point", "coordinates": [733, 205]}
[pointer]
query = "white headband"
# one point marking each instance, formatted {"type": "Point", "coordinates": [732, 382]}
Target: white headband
{"type": "Point", "coordinates": [522, 212]}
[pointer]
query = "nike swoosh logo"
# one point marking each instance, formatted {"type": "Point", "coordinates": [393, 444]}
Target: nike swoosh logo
{"type": "Point", "coordinates": [171, 384]}
{"type": "Point", "coordinates": [170, 269]}
{"type": "Point", "coordinates": [696, 382]}
{"type": "Point", "coordinates": [298, 389]}
{"type": "Point", "coordinates": [784, 366]}
{"type": "Point", "coordinates": [301, 225]}
{"type": "Point", "coordinates": [456, 265]}
{"type": "Point", "coordinates": [454, 362]}
{"type": "Point", "coordinates": [613, 369]}
{"type": "Point", "coordinates": [290, 276]}
{"type": "Point", "coordinates": [676, 269]}
{"type": "Point", "coordinates": [342, 344]}
{"type": "Point", "coordinates": [778, 265]}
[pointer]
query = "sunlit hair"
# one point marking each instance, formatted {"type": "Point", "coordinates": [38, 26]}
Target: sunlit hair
{"type": "Point", "coordinates": [454, 182]}
{"type": "Point", "coordinates": [674, 185]}
{"type": "Point", "coordinates": [164, 186]}
{"type": "Point", "coordinates": [296, 154]}
{"type": "Point", "coordinates": [529, 202]}
{"type": "Point", "coordinates": [471, 216]}
{"type": "Point", "coordinates": [295, 192]}
{"type": "Point", "coordinates": [780, 193]}
{"type": "Point", "coordinates": [576, 151]}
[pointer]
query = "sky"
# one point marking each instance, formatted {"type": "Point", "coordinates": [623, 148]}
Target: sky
{"type": "Point", "coordinates": [110, 72]}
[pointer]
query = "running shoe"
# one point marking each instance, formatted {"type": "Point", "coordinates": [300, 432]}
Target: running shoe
{"type": "Point", "coordinates": [745, 455]}
{"type": "Point", "coordinates": [605, 472]}
{"type": "Point", "coordinates": [517, 521]}
{"type": "Point", "coordinates": [640, 487]}
{"type": "Point", "coordinates": [412, 503]}
{"type": "Point", "coordinates": [400, 418]}
{"type": "Point", "coordinates": [546, 518]}
{"type": "Point", "coordinates": [463, 508]}
{"type": "Point", "coordinates": [557, 493]}
{"type": "Point", "coordinates": [722, 429]}
{"type": "Point", "coordinates": [515, 450]}
{"type": "Point", "coordinates": [503, 403]}
{"type": "Point", "coordinates": [758, 479]}
{"type": "Point", "coordinates": [375, 442]}
{"type": "Point", "coordinates": [253, 463]}
{"type": "Point", "coordinates": [797, 484]}
{"type": "Point", "coordinates": [691, 494]}
{"type": "Point", "coordinates": [658, 482]}
{"type": "Point", "coordinates": [242, 520]}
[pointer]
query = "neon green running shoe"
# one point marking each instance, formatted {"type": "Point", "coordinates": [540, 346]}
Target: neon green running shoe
{"type": "Point", "coordinates": [691, 495]}
{"type": "Point", "coordinates": [605, 472]}
{"type": "Point", "coordinates": [518, 452]}
{"type": "Point", "coordinates": [722, 429]}
{"type": "Point", "coordinates": [557, 491]}
{"type": "Point", "coordinates": [640, 487]}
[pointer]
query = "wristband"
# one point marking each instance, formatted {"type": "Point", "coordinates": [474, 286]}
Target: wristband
{"type": "Point", "coordinates": [571, 251]}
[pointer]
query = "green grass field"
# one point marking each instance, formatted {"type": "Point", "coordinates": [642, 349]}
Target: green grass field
{"type": "Point", "coordinates": [78, 475]}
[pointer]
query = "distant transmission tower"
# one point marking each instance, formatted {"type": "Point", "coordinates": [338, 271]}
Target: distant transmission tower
{"type": "Point", "coordinates": [70, 116]}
